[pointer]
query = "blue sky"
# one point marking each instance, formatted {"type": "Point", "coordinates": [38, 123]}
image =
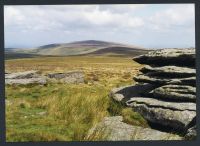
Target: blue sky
{"type": "Point", "coordinates": [146, 25]}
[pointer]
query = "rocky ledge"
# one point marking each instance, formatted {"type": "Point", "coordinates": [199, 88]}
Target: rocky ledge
{"type": "Point", "coordinates": [165, 92]}
{"type": "Point", "coordinates": [25, 78]}
{"type": "Point", "coordinates": [114, 129]}
{"type": "Point", "coordinates": [35, 77]}
{"type": "Point", "coordinates": [163, 57]}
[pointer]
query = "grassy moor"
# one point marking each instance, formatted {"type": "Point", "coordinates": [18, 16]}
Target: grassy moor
{"type": "Point", "coordinates": [60, 112]}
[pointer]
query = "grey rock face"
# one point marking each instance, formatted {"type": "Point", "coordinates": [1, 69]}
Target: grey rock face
{"type": "Point", "coordinates": [151, 102]}
{"type": "Point", "coordinates": [39, 80]}
{"type": "Point", "coordinates": [68, 77]}
{"type": "Point", "coordinates": [191, 133]}
{"type": "Point", "coordinates": [56, 75]}
{"type": "Point", "coordinates": [164, 81]}
{"type": "Point", "coordinates": [22, 75]}
{"type": "Point", "coordinates": [125, 93]}
{"type": "Point", "coordinates": [76, 80]}
{"type": "Point", "coordinates": [114, 129]}
{"type": "Point", "coordinates": [179, 57]}
{"type": "Point", "coordinates": [169, 71]}
{"type": "Point", "coordinates": [172, 114]}
{"type": "Point", "coordinates": [175, 92]}
{"type": "Point", "coordinates": [24, 78]}
{"type": "Point", "coordinates": [175, 119]}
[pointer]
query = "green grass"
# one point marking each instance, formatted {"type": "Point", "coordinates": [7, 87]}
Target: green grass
{"type": "Point", "coordinates": [65, 112]}
{"type": "Point", "coordinates": [129, 116]}
{"type": "Point", "coordinates": [71, 111]}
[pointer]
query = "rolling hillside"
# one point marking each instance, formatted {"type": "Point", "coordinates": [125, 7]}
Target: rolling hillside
{"type": "Point", "coordinates": [119, 50]}
{"type": "Point", "coordinates": [88, 47]}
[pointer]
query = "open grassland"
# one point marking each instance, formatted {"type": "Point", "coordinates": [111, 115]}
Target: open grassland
{"type": "Point", "coordinates": [65, 112]}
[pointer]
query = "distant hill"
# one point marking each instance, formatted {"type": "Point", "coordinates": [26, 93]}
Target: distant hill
{"type": "Point", "coordinates": [13, 55]}
{"type": "Point", "coordinates": [118, 50]}
{"type": "Point", "coordinates": [10, 50]}
{"type": "Point", "coordinates": [90, 47]}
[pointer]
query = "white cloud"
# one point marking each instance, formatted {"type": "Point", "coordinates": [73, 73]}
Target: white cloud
{"type": "Point", "coordinates": [56, 17]}
{"type": "Point", "coordinates": [122, 8]}
{"type": "Point", "coordinates": [178, 15]}
{"type": "Point", "coordinates": [13, 16]}
{"type": "Point", "coordinates": [127, 23]}
{"type": "Point", "coordinates": [106, 17]}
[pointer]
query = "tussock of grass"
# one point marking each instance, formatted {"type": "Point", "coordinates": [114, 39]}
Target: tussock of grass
{"type": "Point", "coordinates": [133, 118]}
{"type": "Point", "coordinates": [115, 108]}
{"type": "Point", "coordinates": [129, 116]}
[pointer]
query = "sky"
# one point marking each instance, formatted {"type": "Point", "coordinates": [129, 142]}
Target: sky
{"type": "Point", "coordinates": [145, 25]}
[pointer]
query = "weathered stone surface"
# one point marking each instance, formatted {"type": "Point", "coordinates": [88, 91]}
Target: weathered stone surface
{"type": "Point", "coordinates": [175, 92]}
{"type": "Point", "coordinates": [164, 81]}
{"type": "Point", "coordinates": [56, 75]}
{"type": "Point", "coordinates": [24, 78]}
{"type": "Point", "coordinates": [114, 129]}
{"type": "Point", "coordinates": [151, 102]}
{"type": "Point", "coordinates": [22, 75]}
{"type": "Point", "coordinates": [71, 80]}
{"type": "Point", "coordinates": [169, 115]}
{"type": "Point", "coordinates": [68, 77]}
{"type": "Point", "coordinates": [169, 71]}
{"type": "Point", "coordinates": [65, 74]}
{"type": "Point", "coordinates": [191, 133]}
{"type": "Point", "coordinates": [39, 80]}
{"type": "Point", "coordinates": [179, 57]}
{"type": "Point", "coordinates": [125, 93]}
{"type": "Point", "coordinates": [171, 102]}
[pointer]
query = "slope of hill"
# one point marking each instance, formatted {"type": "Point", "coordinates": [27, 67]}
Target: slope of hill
{"type": "Point", "coordinates": [13, 55]}
{"type": "Point", "coordinates": [123, 51]}
{"type": "Point", "coordinates": [84, 47]}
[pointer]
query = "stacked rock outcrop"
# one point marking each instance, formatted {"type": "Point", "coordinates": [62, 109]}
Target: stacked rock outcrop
{"type": "Point", "coordinates": [165, 93]}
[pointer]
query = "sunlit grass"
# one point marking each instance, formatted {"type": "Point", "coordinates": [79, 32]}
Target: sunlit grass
{"type": "Point", "coordinates": [65, 112]}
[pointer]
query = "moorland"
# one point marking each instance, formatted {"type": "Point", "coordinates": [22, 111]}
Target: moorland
{"type": "Point", "coordinates": [65, 112]}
